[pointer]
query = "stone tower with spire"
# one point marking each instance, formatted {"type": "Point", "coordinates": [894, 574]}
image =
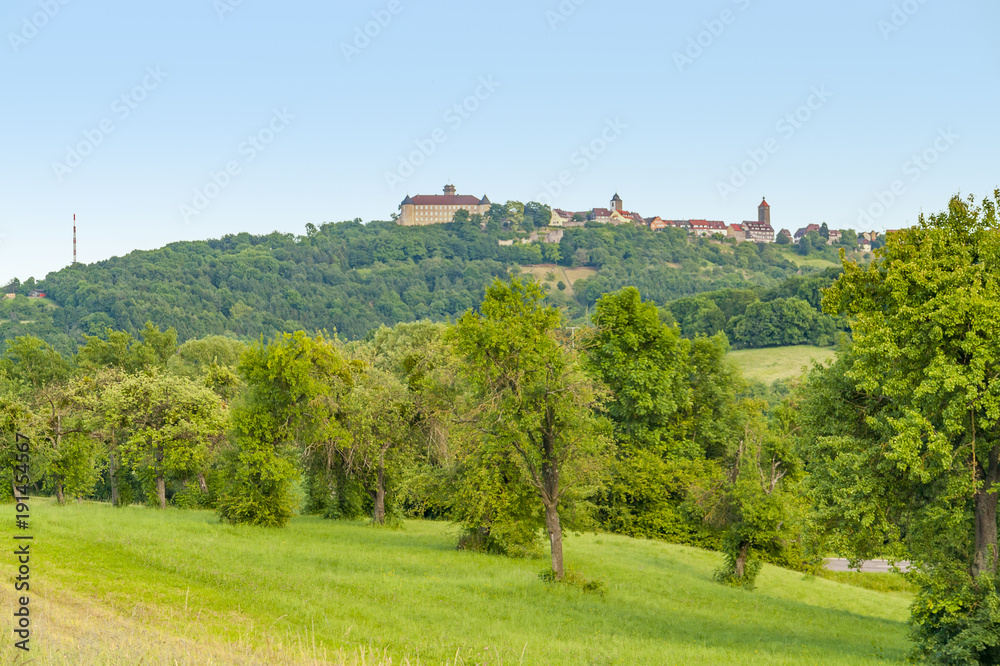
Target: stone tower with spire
{"type": "Point", "coordinates": [616, 203]}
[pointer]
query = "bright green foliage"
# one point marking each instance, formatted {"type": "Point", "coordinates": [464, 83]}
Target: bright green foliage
{"type": "Point", "coordinates": [955, 620]}
{"type": "Point", "coordinates": [673, 411]}
{"type": "Point", "coordinates": [75, 464]}
{"type": "Point", "coordinates": [118, 349]}
{"type": "Point", "coordinates": [754, 502]}
{"type": "Point", "coordinates": [644, 364]}
{"type": "Point", "coordinates": [290, 407]}
{"type": "Point", "coordinates": [195, 358]}
{"type": "Point", "coordinates": [378, 414]}
{"type": "Point", "coordinates": [15, 418]}
{"type": "Point", "coordinates": [496, 505]}
{"type": "Point", "coordinates": [418, 355]}
{"type": "Point", "coordinates": [781, 322]}
{"type": "Point", "coordinates": [922, 387]}
{"type": "Point", "coordinates": [165, 424]}
{"type": "Point", "coordinates": [698, 315]}
{"type": "Point", "coordinates": [40, 377]}
{"type": "Point", "coordinates": [536, 403]}
{"type": "Point", "coordinates": [33, 363]}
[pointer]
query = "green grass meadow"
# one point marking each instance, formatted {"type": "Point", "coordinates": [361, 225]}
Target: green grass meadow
{"type": "Point", "coordinates": [124, 585]}
{"type": "Point", "coordinates": [773, 363]}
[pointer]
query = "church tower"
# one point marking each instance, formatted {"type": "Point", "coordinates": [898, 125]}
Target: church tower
{"type": "Point", "coordinates": [616, 203]}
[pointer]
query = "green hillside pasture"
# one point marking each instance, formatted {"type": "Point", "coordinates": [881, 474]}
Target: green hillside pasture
{"type": "Point", "coordinates": [124, 585]}
{"type": "Point", "coordinates": [773, 363]}
{"type": "Point", "coordinates": [813, 261]}
{"type": "Point", "coordinates": [542, 273]}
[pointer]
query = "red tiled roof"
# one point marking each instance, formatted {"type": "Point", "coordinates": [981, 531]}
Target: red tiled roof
{"type": "Point", "coordinates": [804, 230]}
{"type": "Point", "coordinates": [764, 204]}
{"type": "Point", "coordinates": [602, 212]}
{"type": "Point", "coordinates": [444, 200]}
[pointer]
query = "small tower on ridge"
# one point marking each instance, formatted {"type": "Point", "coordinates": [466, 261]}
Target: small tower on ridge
{"type": "Point", "coordinates": [764, 212]}
{"type": "Point", "coordinates": [616, 203]}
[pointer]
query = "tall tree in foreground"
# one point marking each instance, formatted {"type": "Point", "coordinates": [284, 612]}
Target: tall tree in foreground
{"type": "Point", "coordinates": [169, 422]}
{"type": "Point", "coordinates": [926, 364]}
{"type": "Point", "coordinates": [537, 404]}
{"type": "Point", "coordinates": [378, 413]}
{"type": "Point", "coordinates": [290, 408]}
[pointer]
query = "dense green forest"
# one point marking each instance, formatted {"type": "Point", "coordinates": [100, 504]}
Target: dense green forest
{"type": "Point", "coordinates": [516, 426]}
{"type": "Point", "coordinates": [352, 278]}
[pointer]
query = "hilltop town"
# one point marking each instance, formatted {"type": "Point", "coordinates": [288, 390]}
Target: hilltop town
{"type": "Point", "coordinates": [428, 209]}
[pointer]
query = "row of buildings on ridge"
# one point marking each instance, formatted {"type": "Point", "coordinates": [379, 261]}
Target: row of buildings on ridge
{"type": "Point", "coordinates": [440, 208]}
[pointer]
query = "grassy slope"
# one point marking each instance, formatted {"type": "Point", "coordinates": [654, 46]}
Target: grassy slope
{"type": "Point", "coordinates": [773, 363]}
{"type": "Point", "coordinates": [812, 261]}
{"type": "Point", "coordinates": [113, 586]}
{"type": "Point", "coordinates": [568, 276]}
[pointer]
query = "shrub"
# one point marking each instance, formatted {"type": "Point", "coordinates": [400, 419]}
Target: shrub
{"type": "Point", "coordinates": [956, 620]}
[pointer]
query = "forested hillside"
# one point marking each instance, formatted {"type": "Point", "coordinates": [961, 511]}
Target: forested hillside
{"type": "Point", "coordinates": [351, 278]}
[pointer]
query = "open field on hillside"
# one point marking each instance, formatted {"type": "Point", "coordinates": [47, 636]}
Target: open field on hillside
{"type": "Point", "coordinates": [809, 262]}
{"type": "Point", "coordinates": [773, 363]}
{"type": "Point", "coordinates": [567, 275]}
{"type": "Point", "coordinates": [124, 585]}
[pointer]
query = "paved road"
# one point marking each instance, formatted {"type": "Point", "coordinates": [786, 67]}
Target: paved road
{"type": "Point", "coordinates": [867, 566]}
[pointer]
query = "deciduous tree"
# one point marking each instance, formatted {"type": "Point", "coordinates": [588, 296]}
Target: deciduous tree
{"type": "Point", "coordinates": [537, 403]}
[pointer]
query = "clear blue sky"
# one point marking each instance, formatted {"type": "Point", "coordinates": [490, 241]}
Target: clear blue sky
{"type": "Point", "coordinates": [199, 77]}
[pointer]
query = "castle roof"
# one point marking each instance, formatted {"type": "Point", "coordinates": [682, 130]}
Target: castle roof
{"type": "Point", "coordinates": [445, 200]}
{"type": "Point", "coordinates": [616, 197]}
{"type": "Point", "coordinates": [764, 204]}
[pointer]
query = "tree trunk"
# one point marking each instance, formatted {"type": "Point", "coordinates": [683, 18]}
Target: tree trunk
{"type": "Point", "coordinates": [555, 537]}
{"type": "Point", "coordinates": [161, 491]}
{"type": "Point", "coordinates": [985, 559]}
{"type": "Point", "coordinates": [378, 515]}
{"type": "Point", "coordinates": [202, 483]}
{"type": "Point", "coordinates": [59, 491]}
{"type": "Point", "coordinates": [741, 561]}
{"type": "Point", "coordinates": [112, 470]}
{"type": "Point", "coordinates": [161, 486]}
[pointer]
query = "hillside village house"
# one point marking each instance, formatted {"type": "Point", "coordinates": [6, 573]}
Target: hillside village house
{"type": "Point", "coordinates": [736, 231]}
{"type": "Point", "coordinates": [706, 227]}
{"type": "Point", "coordinates": [439, 208]}
{"type": "Point", "coordinates": [801, 233]}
